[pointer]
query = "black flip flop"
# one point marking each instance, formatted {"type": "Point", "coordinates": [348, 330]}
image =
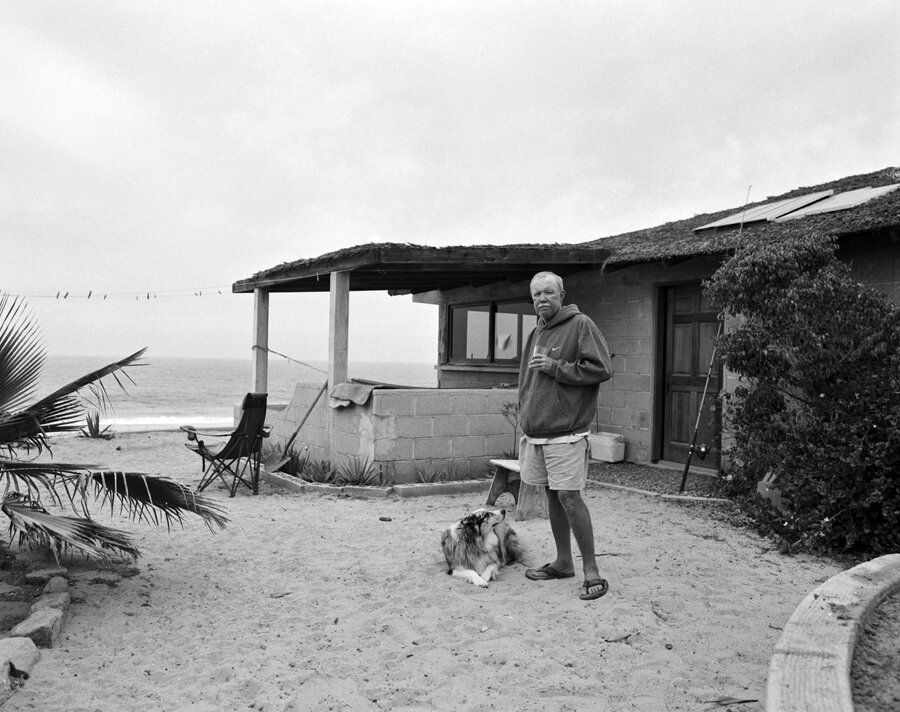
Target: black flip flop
{"type": "Point", "coordinates": [600, 584]}
{"type": "Point", "coordinates": [546, 573]}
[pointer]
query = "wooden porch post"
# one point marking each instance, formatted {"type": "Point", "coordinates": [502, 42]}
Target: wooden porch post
{"type": "Point", "coordinates": [338, 345]}
{"type": "Point", "coordinates": [261, 341]}
{"type": "Point", "coordinates": [338, 328]}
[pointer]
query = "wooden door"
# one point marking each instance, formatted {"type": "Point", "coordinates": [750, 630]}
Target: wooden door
{"type": "Point", "coordinates": [690, 328]}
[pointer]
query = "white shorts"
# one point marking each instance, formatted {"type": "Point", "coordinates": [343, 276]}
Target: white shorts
{"type": "Point", "coordinates": [559, 466]}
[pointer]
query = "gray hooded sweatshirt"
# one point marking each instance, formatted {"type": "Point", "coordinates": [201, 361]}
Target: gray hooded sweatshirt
{"type": "Point", "coordinates": [563, 402]}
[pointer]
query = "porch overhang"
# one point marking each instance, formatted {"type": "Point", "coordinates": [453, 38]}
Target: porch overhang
{"type": "Point", "coordinates": [397, 269]}
{"type": "Point", "coordinates": [413, 269]}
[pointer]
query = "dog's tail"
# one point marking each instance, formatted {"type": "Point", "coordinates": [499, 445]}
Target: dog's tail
{"type": "Point", "coordinates": [510, 548]}
{"type": "Point", "coordinates": [444, 542]}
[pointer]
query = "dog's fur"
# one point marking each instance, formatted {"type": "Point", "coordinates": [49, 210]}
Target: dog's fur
{"type": "Point", "coordinates": [479, 544]}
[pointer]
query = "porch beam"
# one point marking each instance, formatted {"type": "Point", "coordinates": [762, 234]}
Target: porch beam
{"type": "Point", "coordinates": [261, 341]}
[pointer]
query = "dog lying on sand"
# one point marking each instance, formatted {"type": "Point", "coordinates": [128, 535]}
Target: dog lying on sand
{"type": "Point", "coordinates": [479, 544]}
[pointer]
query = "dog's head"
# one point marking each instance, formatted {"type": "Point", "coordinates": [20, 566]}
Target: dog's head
{"type": "Point", "coordinates": [483, 520]}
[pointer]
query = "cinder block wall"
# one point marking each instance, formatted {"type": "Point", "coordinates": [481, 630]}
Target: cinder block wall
{"type": "Point", "coordinates": [623, 304]}
{"type": "Point", "coordinates": [404, 431]}
{"type": "Point", "coordinates": [431, 431]}
{"type": "Point", "coordinates": [623, 309]}
{"type": "Point", "coordinates": [312, 436]}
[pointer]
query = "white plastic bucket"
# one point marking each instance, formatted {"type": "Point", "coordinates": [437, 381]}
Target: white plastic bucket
{"type": "Point", "coordinates": [607, 447]}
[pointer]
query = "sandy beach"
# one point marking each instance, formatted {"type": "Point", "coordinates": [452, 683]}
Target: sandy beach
{"type": "Point", "coordinates": [320, 602]}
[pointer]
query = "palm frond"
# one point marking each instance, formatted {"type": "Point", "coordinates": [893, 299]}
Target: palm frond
{"type": "Point", "coordinates": [24, 428]}
{"type": "Point", "coordinates": [35, 478]}
{"type": "Point", "coordinates": [34, 525]}
{"type": "Point", "coordinates": [62, 410]}
{"type": "Point", "coordinates": [142, 497]}
{"type": "Point", "coordinates": [21, 354]}
{"type": "Point", "coordinates": [154, 499]}
{"type": "Point", "coordinates": [93, 377]}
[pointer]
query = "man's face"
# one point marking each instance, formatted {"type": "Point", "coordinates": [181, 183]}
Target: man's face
{"type": "Point", "coordinates": [546, 296]}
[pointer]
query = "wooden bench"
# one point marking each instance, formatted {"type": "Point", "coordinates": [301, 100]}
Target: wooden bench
{"type": "Point", "coordinates": [531, 501]}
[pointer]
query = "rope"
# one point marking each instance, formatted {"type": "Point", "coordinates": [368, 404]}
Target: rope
{"type": "Point", "coordinates": [292, 360]}
{"type": "Point", "coordinates": [146, 295]}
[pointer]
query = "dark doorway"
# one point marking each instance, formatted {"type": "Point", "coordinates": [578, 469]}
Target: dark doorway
{"type": "Point", "coordinates": [689, 326]}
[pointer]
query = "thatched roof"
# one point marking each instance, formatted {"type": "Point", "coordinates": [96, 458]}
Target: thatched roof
{"type": "Point", "coordinates": [403, 268]}
{"type": "Point", "coordinates": [678, 240]}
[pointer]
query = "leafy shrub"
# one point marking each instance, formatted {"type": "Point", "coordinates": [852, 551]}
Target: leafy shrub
{"type": "Point", "coordinates": [318, 471]}
{"type": "Point", "coordinates": [818, 408]}
{"type": "Point", "coordinates": [450, 473]}
{"type": "Point", "coordinates": [357, 471]}
{"type": "Point", "coordinates": [296, 462]}
{"type": "Point", "coordinates": [510, 411]}
{"type": "Point", "coordinates": [92, 427]}
{"type": "Point", "coordinates": [430, 476]}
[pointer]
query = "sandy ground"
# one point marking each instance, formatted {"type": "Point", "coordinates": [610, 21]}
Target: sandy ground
{"type": "Point", "coordinates": [312, 602]}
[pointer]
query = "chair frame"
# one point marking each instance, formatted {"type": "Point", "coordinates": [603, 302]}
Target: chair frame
{"type": "Point", "coordinates": [238, 458]}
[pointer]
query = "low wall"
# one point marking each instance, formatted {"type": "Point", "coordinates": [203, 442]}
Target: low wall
{"type": "Point", "coordinates": [404, 432]}
{"type": "Point", "coordinates": [810, 669]}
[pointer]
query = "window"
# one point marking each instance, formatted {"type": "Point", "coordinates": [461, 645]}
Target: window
{"type": "Point", "coordinates": [490, 332]}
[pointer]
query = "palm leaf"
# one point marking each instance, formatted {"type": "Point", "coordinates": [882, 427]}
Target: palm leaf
{"type": "Point", "coordinates": [34, 525]}
{"type": "Point", "coordinates": [62, 410]}
{"type": "Point", "coordinates": [154, 499]}
{"type": "Point", "coordinates": [21, 355]}
{"type": "Point", "coordinates": [142, 497]}
{"type": "Point", "coordinates": [37, 477]}
{"type": "Point", "coordinates": [23, 427]}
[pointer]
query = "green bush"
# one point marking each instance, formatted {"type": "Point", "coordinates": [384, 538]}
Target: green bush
{"type": "Point", "coordinates": [354, 471]}
{"type": "Point", "coordinates": [818, 407]}
{"type": "Point", "coordinates": [361, 472]}
{"type": "Point", "coordinates": [450, 473]}
{"type": "Point", "coordinates": [303, 466]}
{"type": "Point", "coordinates": [510, 411]}
{"type": "Point", "coordinates": [92, 427]}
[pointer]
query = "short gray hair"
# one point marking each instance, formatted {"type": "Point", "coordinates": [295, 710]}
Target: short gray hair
{"type": "Point", "coordinates": [552, 275]}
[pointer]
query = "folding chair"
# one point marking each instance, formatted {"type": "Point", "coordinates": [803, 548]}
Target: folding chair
{"type": "Point", "coordinates": [238, 458]}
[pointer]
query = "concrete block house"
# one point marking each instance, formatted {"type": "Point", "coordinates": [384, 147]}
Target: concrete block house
{"type": "Point", "coordinates": [643, 288]}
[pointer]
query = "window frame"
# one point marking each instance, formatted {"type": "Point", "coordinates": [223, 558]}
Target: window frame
{"type": "Point", "coordinates": [492, 311]}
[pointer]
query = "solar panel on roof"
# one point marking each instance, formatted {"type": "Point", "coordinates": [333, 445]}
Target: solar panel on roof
{"type": "Point", "coordinates": [768, 211]}
{"type": "Point", "coordinates": [841, 201]}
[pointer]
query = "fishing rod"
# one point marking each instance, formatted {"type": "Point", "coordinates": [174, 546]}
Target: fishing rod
{"type": "Point", "coordinates": [712, 360]}
{"type": "Point", "coordinates": [703, 449]}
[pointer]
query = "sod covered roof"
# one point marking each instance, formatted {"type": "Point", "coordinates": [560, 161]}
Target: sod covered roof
{"type": "Point", "coordinates": [401, 268]}
{"type": "Point", "coordinates": [876, 219]}
{"type": "Point", "coordinates": [404, 268]}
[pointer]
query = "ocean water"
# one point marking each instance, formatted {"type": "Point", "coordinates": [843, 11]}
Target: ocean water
{"type": "Point", "coordinates": [169, 392]}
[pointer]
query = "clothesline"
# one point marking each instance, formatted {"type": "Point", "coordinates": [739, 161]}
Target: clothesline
{"type": "Point", "coordinates": [292, 360]}
{"type": "Point", "coordinates": [143, 295]}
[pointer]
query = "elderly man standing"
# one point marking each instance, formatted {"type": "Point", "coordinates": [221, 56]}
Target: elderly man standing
{"type": "Point", "coordinates": [563, 364]}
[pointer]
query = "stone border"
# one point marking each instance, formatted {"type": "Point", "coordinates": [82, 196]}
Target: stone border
{"type": "Point", "coordinates": [292, 484]}
{"type": "Point", "coordinates": [19, 650]}
{"type": "Point", "coordinates": [660, 495]}
{"type": "Point", "coordinates": [810, 668]}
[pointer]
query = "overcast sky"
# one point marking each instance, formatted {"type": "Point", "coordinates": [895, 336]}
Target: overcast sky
{"type": "Point", "coordinates": [169, 148]}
